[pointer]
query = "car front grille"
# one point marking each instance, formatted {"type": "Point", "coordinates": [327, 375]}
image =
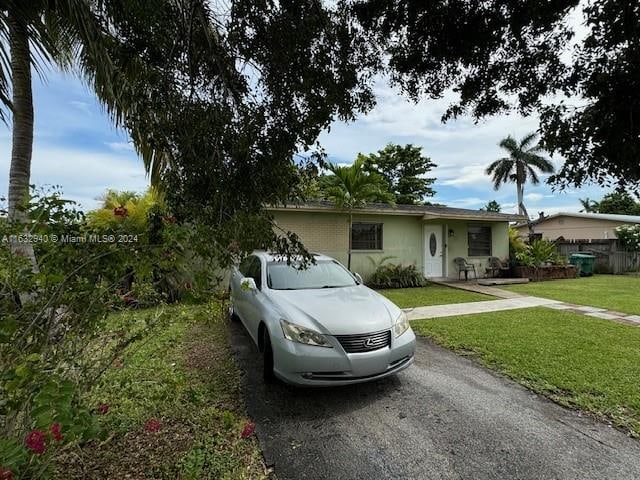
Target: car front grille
{"type": "Point", "coordinates": [365, 342]}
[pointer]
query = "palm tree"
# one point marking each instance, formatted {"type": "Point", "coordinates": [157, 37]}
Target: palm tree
{"type": "Point", "coordinates": [588, 205]}
{"type": "Point", "coordinates": [521, 165]}
{"type": "Point", "coordinates": [351, 187]}
{"type": "Point", "coordinates": [40, 32]}
{"type": "Point", "coordinates": [125, 208]}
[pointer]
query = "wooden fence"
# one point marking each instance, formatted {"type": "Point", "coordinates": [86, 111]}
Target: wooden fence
{"type": "Point", "coordinates": [609, 259]}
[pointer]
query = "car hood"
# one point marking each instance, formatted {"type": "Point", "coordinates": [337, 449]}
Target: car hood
{"type": "Point", "coordinates": [337, 311]}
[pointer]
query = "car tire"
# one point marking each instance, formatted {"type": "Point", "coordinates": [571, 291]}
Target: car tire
{"type": "Point", "coordinates": [267, 355]}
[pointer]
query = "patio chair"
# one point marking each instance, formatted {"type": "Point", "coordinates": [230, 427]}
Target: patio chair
{"type": "Point", "coordinates": [464, 266]}
{"type": "Point", "coordinates": [496, 267]}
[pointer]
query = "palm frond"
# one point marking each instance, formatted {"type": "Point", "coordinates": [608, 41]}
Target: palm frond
{"type": "Point", "coordinates": [533, 176]}
{"type": "Point", "coordinates": [509, 144]}
{"type": "Point", "coordinates": [539, 162]}
{"type": "Point", "coordinates": [528, 140]}
{"type": "Point", "coordinates": [500, 170]}
{"type": "Point", "coordinates": [350, 186]}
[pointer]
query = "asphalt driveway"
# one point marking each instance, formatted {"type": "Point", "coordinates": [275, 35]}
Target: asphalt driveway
{"type": "Point", "coordinates": [443, 418]}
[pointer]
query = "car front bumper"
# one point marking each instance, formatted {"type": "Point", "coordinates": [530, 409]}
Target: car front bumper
{"type": "Point", "coordinates": [307, 365]}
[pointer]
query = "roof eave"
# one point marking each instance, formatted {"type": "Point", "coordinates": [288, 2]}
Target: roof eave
{"type": "Point", "coordinates": [318, 208]}
{"type": "Point", "coordinates": [399, 211]}
{"type": "Point", "coordinates": [478, 218]}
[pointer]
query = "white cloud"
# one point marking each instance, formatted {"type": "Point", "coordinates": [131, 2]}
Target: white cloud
{"type": "Point", "coordinates": [468, 202]}
{"type": "Point", "coordinates": [534, 197]}
{"type": "Point", "coordinates": [472, 175]}
{"type": "Point", "coordinates": [85, 107]}
{"type": "Point", "coordinates": [120, 146]}
{"type": "Point", "coordinates": [82, 175]}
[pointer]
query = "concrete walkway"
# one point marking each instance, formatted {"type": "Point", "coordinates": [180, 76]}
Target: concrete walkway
{"type": "Point", "coordinates": [510, 301]}
{"type": "Point", "coordinates": [596, 312]}
{"type": "Point", "coordinates": [469, 308]}
{"type": "Point", "coordinates": [477, 288]}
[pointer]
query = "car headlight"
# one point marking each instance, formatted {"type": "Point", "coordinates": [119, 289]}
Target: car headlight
{"type": "Point", "coordinates": [299, 334]}
{"type": "Point", "coordinates": [401, 325]}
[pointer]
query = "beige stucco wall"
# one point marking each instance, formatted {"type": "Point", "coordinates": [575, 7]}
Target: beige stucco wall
{"type": "Point", "coordinates": [573, 228]}
{"type": "Point", "coordinates": [320, 232]}
{"type": "Point", "coordinates": [401, 238]}
{"type": "Point", "coordinates": [327, 233]}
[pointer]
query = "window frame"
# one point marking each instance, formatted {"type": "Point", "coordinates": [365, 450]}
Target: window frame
{"type": "Point", "coordinates": [379, 237]}
{"type": "Point", "coordinates": [469, 243]}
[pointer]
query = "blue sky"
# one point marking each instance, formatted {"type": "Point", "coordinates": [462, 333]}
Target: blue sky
{"type": "Point", "coordinates": [77, 147]}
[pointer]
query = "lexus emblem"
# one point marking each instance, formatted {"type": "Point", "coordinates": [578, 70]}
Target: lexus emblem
{"type": "Point", "coordinates": [368, 342]}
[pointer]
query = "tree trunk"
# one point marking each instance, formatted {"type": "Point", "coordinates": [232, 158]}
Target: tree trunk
{"type": "Point", "coordinates": [350, 239]}
{"type": "Point", "coordinates": [520, 189]}
{"type": "Point", "coordinates": [22, 134]}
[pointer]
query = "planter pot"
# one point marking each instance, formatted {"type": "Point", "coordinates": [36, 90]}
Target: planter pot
{"type": "Point", "coordinates": [554, 272]}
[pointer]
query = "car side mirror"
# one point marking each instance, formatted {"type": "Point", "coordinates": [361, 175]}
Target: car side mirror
{"type": "Point", "coordinates": [358, 278]}
{"type": "Point", "coordinates": [248, 284]}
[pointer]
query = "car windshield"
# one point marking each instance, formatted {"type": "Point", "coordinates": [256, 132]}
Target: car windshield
{"type": "Point", "coordinates": [324, 274]}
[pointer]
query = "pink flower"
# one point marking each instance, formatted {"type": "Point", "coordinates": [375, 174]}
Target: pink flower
{"type": "Point", "coordinates": [6, 474]}
{"type": "Point", "coordinates": [152, 426]}
{"type": "Point", "coordinates": [248, 429]}
{"type": "Point", "coordinates": [103, 408]}
{"type": "Point", "coordinates": [35, 441]}
{"type": "Point", "coordinates": [55, 430]}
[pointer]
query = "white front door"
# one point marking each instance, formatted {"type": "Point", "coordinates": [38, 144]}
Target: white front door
{"type": "Point", "coordinates": [433, 251]}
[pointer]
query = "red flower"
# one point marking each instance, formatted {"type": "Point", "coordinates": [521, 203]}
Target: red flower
{"type": "Point", "coordinates": [35, 441]}
{"type": "Point", "coordinates": [248, 429]}
{"type": "Point", "coordinates": [6, 474]}
{"type": "Point", "coordinates": [55, 430]}
{"type": "Point", "coordinates": [152, 426]}
{"type": "Point", "coordinates": [120, 211]}
{"type": "Point", "coordinates": [103, 408]}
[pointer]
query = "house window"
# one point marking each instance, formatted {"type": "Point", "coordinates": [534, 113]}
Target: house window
{"type": "Point", "coordinates": [366, 236]}
{"type": "Point", "coordinates": [479, 241]}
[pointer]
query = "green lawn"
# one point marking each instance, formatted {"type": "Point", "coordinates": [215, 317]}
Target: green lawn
{"type": "Point", "coordinates": [613, 292]}
{"type": "Point", "coordinates": [578, 361]}
{"type": "Point", "coordinates": [183, 378]}
{"type": "Point", "coordinates": [432, 294]}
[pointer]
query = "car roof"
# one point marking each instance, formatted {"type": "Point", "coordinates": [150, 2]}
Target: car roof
{"type": "Point", "coordinates": [275, 257]}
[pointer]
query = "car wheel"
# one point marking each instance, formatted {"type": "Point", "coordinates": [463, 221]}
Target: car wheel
{"type": "Point", "coordinates": [269, 376]}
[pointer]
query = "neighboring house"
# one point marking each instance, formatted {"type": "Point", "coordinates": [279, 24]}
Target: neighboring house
{"type": "Point", "coordinates": [428, 237]}
{"type": "Point", "coordinates": [578, 226]}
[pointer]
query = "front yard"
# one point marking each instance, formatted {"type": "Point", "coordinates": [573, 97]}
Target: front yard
{"type": "Point", "coordinates": [172, 407]}
{"type": "Point", "coordinates": [613, 292]}
{"type": "Point", "coordinates": [578, 361]}
{"type": "Point", "coordinates": [432, 294]}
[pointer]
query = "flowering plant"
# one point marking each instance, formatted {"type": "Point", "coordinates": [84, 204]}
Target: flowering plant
{"type": "Point", "coordinates": [629, 236]}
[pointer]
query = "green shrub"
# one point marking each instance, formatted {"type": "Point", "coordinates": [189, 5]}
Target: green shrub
{"type": "Point", "coordinates": [395, 276]}
{"type": "Point", "coordinates": [48, 318]}
{"type": "Point", "coordinates": [516, 245]}
{"type": "Point", "coordinates": [538, 253]}
{"type": "Point", "coordinates": [629, 237]}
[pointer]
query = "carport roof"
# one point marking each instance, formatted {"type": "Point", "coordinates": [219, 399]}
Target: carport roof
{"type": "Point", "coordinates": [427, 212]}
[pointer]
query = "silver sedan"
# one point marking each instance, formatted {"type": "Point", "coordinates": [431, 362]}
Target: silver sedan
{"type": "Point", "coordinates": [318, 326]}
